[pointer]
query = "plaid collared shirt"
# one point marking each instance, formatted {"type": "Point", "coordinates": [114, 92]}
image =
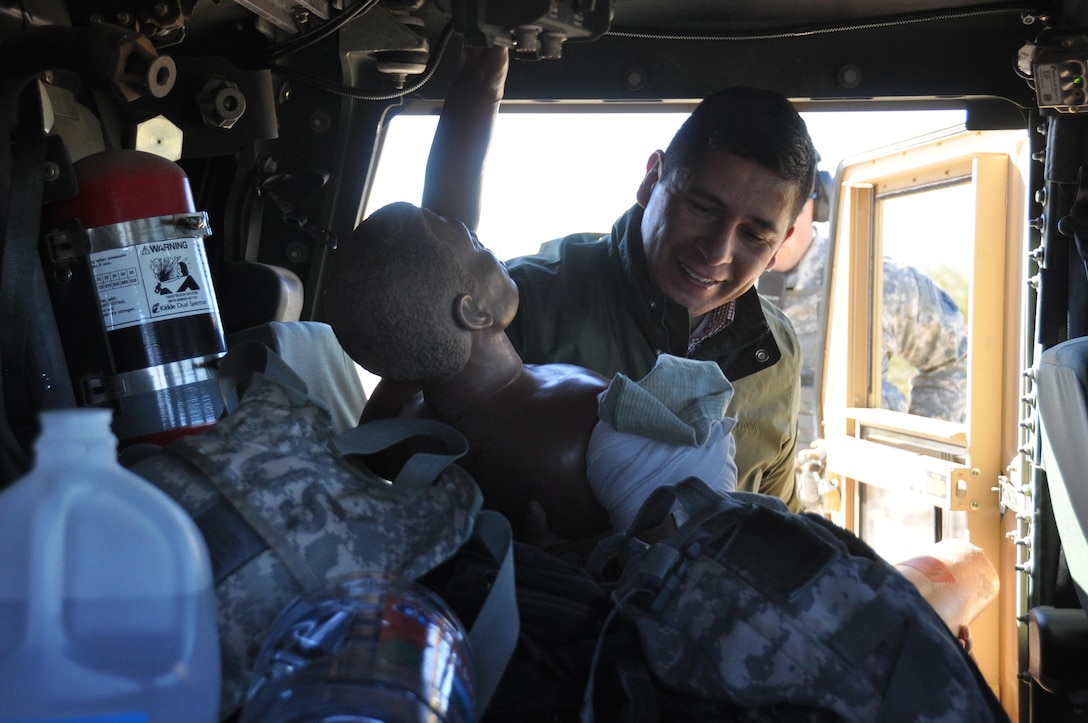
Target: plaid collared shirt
{"type": "Point", "coordinates": [715, 320]}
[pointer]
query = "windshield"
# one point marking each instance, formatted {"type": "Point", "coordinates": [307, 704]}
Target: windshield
{"type": "Point", "coordinates": [549, 174]}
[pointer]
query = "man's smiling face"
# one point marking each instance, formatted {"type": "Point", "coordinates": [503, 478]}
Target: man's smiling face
{"type": "Point", "coordinates": [709, 231]}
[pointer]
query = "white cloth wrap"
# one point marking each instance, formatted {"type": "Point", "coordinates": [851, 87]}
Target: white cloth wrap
{"type": "Point", "coordinates": [658, 431]}
{"type": "Point", "coordinates": [623, 469]}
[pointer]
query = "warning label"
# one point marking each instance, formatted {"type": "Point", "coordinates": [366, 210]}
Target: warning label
{"type": "Point", "coordinates": [152, 281]}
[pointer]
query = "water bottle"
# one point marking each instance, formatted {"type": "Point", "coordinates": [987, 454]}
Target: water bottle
{"type": "Point", "coordinates": [373, 649]}
{"type": "Point", "coordinates": [107, 610]}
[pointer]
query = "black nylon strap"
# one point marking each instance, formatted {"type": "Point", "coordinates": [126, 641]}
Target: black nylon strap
{"type": "Point", "coordinates": [231, 541]}
{"type": "Point", "coordinates": [914, 669]}
{"type": "Point", "coordinates": [16, 271]}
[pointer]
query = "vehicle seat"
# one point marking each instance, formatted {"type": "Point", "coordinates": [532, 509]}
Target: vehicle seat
{"type": "Point", "coordinates": [250, 293]}
{"type": "Point", "coordinates": [313, 352]}
{"type": "Point", "coordinates": [1057, 637]}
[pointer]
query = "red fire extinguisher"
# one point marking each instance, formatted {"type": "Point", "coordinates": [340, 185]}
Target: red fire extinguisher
{"type": "Point", "coordinates": [133, 297]}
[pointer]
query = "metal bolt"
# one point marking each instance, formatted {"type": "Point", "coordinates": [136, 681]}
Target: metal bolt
{"type": "Point", "coordinates": [192, 222]}
{"type": "Point", "coordinates": [551, 45]}
{"type": "Point", "coordinates": [849, 76]}
{"type": "Point", "coordinates": [320, 122]}
{"type": "Point", "coordinates": [527, 39]}
{"type": "Point", "coordinates": [634, 78]}
{"type": "Point", "coordinates": [296, 252]}
{"type": "Point", "coordinates": [221, 102]}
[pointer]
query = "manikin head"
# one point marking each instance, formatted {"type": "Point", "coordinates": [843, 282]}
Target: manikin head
{"type": "Point", "coordinates": [409, 289]}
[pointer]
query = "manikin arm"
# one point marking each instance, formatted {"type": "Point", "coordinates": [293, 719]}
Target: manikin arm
{"type": "Point", "coordinates": [456, 162]}
{"type": "Point", "coordinates": [454, 173]}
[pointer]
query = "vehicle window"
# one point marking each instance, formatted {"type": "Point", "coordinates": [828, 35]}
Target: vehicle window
{"type": "Point", "coordinates": [924, 234]}
{"type": "Point", "coordinates": [928, 237]}
{"type": "Point", "coordinates": [554, 172]}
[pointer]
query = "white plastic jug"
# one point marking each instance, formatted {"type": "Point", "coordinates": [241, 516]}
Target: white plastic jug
{"type": "Point", "coordinates": [107, 607]}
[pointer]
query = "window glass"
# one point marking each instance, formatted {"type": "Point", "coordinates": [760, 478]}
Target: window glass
{"type": "Point", "coordinates": [927, 240]}
{"type": "Point", "coordinates": [551, 173]}
{"type": "Point", "coordinates": [895, 523]}
{"type": "Point", "coordinates": [898, 524]}
{"type": "Point", "coordinates": [926, 235]}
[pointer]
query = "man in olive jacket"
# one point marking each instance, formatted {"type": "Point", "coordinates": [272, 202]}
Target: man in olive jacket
{"type": "Point", "coordinates": [589, 299]}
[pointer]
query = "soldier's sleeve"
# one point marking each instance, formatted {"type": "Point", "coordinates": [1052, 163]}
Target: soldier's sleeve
{"type": "Point", "coordinates": [929, 333]}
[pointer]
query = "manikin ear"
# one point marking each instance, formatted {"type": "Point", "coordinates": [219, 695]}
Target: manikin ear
{"type": "Point", "coordinates": [653, 175]}
{"type": "Point", "coordinates": [469, 315]}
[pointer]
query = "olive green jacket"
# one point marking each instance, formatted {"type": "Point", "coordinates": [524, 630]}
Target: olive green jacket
{"type": "Point", "coordinates": [588, 300]}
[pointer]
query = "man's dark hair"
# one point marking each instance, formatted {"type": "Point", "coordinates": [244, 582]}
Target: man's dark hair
{"type": "Point", "coordinates": [753, 123]}
{"type": "Point", "coordinates": [390, 297]}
